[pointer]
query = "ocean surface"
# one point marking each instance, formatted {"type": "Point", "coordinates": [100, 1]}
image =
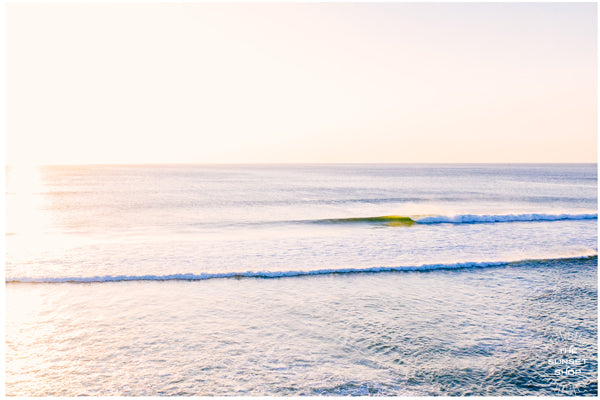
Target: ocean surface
{"type": "Point", "coordinates": [378, 279]}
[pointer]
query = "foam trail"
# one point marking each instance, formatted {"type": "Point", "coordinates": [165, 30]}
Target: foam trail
{"type": "Point", "coordinates": [282, 274]}
{"type": "Point", "coordinates": [475, 219]}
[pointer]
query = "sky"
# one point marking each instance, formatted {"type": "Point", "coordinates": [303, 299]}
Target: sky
{"type": "Point", "coordinates": [287, 82]}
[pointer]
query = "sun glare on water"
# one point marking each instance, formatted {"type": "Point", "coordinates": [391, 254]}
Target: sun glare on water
{"type": "Point", "coordinates": [26, 220]}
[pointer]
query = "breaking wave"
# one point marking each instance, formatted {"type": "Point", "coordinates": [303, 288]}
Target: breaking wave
{"type": "Point", "coordinates": [285, 274]}
{"type": "Point", "coordinates": [397, 220]}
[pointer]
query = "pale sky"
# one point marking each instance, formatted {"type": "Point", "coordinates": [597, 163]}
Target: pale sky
{"type": "Point", "coordinates": [246, 83]}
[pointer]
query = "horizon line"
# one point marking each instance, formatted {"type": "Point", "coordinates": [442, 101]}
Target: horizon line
{"type": "Point", "coordinates": [293, 163]}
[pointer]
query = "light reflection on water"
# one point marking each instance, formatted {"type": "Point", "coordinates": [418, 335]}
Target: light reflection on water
{"type": "Point", "coordinates": [478, 331]}
{"type": "Point", "coordinates": [487, 331]}
{"type": "Point", "coordinates": [139, 220]}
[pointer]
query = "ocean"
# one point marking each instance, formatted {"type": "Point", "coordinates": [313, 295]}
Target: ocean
{"type": "Point", "coordinates": [357, 279]}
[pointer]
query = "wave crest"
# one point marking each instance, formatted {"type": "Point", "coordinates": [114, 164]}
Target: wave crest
{"type": "Point", "coordinates": [285, 274]}
{"type": "Point", "coordinates": [398, 220]}
{"type": "Point", "coordinates": [478, 219]}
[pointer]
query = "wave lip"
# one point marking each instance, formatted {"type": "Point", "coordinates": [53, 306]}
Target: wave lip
{"type": "Point", "coordinates": [284, 274]}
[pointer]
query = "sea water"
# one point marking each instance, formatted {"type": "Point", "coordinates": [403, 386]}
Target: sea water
{"type": "Point", "coordinates": [301, 280]}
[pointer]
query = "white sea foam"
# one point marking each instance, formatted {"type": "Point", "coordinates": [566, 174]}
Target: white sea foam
{"type": "Point", "coordinates": [475, 219]}
{"type": "Point", "coordinates": [281, 274]}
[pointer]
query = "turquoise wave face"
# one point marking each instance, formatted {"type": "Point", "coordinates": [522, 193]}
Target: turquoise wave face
{"type": "Point", "coordinates": [388, 220]}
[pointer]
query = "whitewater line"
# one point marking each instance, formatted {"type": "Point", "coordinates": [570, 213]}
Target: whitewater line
{"type": "Point", "coordinates": [282, 274]}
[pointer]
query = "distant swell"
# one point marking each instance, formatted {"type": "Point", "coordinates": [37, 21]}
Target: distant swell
{"type": "Point", "coordinates": [282, 274]}
{"type": "Point", "coordinates": [397, 220]}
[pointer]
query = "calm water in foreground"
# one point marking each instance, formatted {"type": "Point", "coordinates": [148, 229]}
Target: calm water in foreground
{"type": "Point", "coordinates": [284, 280]}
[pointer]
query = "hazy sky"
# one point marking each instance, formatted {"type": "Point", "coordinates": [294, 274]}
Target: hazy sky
{"type": "Point", "coordinates": [226, 83]}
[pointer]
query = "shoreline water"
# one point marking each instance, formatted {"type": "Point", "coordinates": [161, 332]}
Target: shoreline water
{"type": "Point", "coordinates": [490, 331]}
